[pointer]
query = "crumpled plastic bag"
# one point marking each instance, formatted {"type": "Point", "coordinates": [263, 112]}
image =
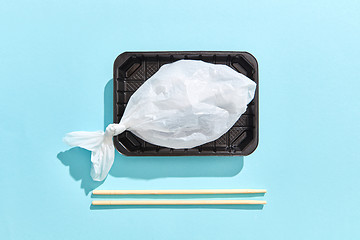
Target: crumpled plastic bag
{"type": "Point", "coordinates": [183, 105]}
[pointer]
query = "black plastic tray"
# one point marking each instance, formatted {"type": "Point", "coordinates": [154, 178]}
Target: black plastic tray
{"type": "Point", "coordinates": [131, 69]}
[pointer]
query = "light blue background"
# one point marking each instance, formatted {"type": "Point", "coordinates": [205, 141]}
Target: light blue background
{"type": "Point", "coordinates": [55, 63]}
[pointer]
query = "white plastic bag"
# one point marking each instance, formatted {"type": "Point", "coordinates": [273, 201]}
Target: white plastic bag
{"type": "Point", "coordinates": [185, 104]}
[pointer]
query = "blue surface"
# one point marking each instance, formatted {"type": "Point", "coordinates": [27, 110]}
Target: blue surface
{"type": "Point", "coordinates": [56, 61]}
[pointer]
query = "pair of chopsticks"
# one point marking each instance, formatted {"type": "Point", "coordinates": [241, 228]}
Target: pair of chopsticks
{"type": "Point", "coordinates": [178, 202]}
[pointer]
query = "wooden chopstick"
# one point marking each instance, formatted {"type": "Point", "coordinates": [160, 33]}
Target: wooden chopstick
{"type": "Point", "coordinates": [178, 202]}
{"type": "Point", "coordinates": [186, 191]}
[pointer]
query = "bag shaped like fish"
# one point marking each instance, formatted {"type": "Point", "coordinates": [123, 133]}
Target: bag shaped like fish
{"type": "Point", "coordinates": [183, 105]}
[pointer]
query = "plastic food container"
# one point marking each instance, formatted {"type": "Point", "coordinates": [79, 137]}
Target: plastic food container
{"type": "Point", "coordinates": [131, 69]}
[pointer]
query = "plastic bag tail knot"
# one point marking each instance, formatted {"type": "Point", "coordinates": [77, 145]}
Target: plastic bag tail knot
{"type": "Point", "coordinates": [114, 129]}
{"type": "Point", "coordinates": [101, 146]}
